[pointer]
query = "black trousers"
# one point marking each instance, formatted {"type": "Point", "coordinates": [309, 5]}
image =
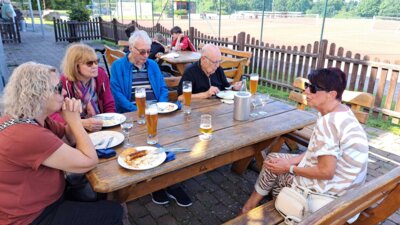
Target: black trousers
{"type": "Point", "coordinates": [81, 213]}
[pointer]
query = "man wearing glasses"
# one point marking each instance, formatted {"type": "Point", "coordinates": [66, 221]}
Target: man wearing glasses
{"type": "Point", "coordinates": [207, 77]}
{"type": "Point", "coordinates": [135, 70]}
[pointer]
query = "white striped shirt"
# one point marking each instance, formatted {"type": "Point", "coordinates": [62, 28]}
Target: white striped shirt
{"type": "Point", "coordinates": [338, 134]}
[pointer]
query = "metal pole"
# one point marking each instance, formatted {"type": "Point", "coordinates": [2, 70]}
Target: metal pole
{"type": "Point", "coordinates": [41, 17]}
{"type": "Point", "coordinates": [136, 11]}
{"type": "Point", "coordinates": [173, 13]}
{"type": "Point", "coordinates": [262, 21]}
{"type": "Point", "coordinates": [4, 69]}
{"type": "Point", "coordinates": [109, 8]}
{"type": "Point", "coordinates": [323, 24]}
{"type": "Point", "coordinates": [189, 12]}
{"type": "Point", "coordinates": [31, 14]}
{"type": "Point", "coordinates": [152, 11]}
{"type": "Point", "coordinates": [219, 22]}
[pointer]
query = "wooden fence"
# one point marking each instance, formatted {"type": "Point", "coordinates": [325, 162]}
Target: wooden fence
{"type": "Point", "coordinates": [278, 65]}
{"type": "Point", "coordinates": [10, 32]}
{"type": "Point", "coordinates": [75, 31]}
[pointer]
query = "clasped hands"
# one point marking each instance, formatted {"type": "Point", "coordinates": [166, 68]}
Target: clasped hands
{"type": "Point", "coordinates": [71, 110]}
{"type": "Point", "coordinates": [277, 165]}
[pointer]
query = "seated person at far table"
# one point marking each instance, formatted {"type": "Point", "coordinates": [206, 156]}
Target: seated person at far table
{"type": "Point", "coordinates": [337, 156]}
{"type": "Point", "coordinates": [180, 42]}
{"type": "Point", "coordinates": [129, 31]}
{"type": "Point", "coordinates": [34, 155]}
{"type": "Point", "coordinates": [207, 77]}
{"type": "Point", "coordinates": [157, 46]}
{"type": "Point", "coordinates": [83, 79]}
{"type": "Point", "coordinates": [135, 70]}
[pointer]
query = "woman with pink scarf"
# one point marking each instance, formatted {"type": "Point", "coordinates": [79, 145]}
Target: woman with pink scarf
{"type": "Point", "coordinates": [83, 79]}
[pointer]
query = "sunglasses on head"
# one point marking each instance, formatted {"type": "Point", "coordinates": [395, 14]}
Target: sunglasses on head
{"type": "Point", "coordinates": [313, 88]}
{"type": "Point", "coordinates": [143, 52]}
{"type": "Point", "coordinates": [90, 63]}
{"type": "Point", "coordinates": [58, 88]}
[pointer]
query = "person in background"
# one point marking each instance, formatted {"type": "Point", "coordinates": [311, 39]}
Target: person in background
{"type": "Point", "coordinates": [129, 31]}
{"type": "Point", "coordinates": [337, 155]}
{"type": "Point", "coordinates": [32, 168]}
{"type": "Point", "coordinates": [83, 79]}
{"type": "Point", "coordinates": [206, 75]}
{"type": "Point", "coordinates": [7, 11]}
{"type": "Point", "coordinates": [180, 42]}
{"type": "Point", "coordinates": [157, 46]}
{"type": "Point", "coordinates": [136, 70]}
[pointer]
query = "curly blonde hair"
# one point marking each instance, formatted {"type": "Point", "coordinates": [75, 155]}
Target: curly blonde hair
{"type": "Point", "coordinates": [28, 90]}
{"type": "Point", "coordinates": [75, 54]}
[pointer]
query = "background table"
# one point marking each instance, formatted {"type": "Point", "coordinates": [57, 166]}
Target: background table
{"type": "Point", "coordinates": [184, 58]}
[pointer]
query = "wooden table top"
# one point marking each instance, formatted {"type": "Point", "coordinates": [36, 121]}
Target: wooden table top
{"type": "Point", "coordinates": [184, 57]}
{"type": "Point", "coordinates": [178, 130]}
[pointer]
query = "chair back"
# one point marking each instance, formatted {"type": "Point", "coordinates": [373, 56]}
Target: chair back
{"type": "Point", "coordinates": [112, 54]}
{"type": "Point", "coordinates": [359, 102]}
{"type": "Point", "coordinates": [230, 53]}
{"type": "Point", "coordinates": [172, 84]}
{"type": "Point", "coordinates": [233, 68]}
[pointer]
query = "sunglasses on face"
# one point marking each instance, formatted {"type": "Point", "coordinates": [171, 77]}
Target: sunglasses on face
{"type": "Point", "coordinates": [143, 52]}
{"type": "Point", "coordinates": [90, 63]}
{"type": "Point", "coordinates": [58, 88]}
{"type": "Point", "coordinates": [313, 88]}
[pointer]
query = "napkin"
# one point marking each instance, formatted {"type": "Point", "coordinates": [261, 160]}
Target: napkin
{"type": "Point", "coordinates": [170, 155]}
{"type": "Point", "coordinates": [179, 104]}
{"type": "Point", "coordinates": [105, 153]}
{"type": "Point", "coordinates": [171, 55]}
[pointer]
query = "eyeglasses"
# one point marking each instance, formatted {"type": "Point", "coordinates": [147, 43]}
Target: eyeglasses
{"type": "Point", "coordinates": [313, 88]}
{"type": "Point", "coordinates": [58, 88]}
{"type": "Point", "coordinates": [213, 62]}
{"type": "Point", "coordinates": [143, 52]}
{"type": "Point", "coordinates": [90, 63]}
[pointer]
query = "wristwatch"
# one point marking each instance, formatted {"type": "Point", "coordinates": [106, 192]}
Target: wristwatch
{"type": "Point", "coordinates": [291, 169]}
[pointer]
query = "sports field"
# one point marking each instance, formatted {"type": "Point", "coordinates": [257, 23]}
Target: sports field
{"type": "Point", "coordinates": [376, 38]}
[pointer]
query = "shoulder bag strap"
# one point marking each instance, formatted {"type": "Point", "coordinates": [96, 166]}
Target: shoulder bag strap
{"type": "Point", "coordinates": [16, 121]}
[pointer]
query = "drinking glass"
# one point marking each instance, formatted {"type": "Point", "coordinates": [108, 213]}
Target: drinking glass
{"type": "Point", "coordinates": [140, 98]}
{"type": "Point", "coordinates": [126, 128]}
{"type": "Point", "coordinates": [255, 102]}
{"type": "Point", "coordinates": [205, 127]}
{"type": "Point", "coordinates": [152, 119]}
{"type": "Point", "coordinates": [264, 98]}
{"type": "Point", "coordinates": [187, 94]}
{"type": "Point", "coordinates": [253, 83]}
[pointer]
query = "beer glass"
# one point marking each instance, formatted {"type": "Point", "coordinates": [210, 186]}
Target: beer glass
{"type": "Point", "coordinates": [152, 118]}
{"type": "Point", "coordinates": [253, 83]}
{"type": "Point", "coordinates": [264, 98]}
{"type": "Point", "coordinates": [187, 94]}
{"type": "Point", "coordinates": [126, 128]}
{"type": "Point", "coordinates": [205, 127]}
{"type": "Point", "coordinates": [140, 98]}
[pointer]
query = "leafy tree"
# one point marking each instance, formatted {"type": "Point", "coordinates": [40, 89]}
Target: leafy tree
{"type": "Point", "coordinates": [334, 6]}
{"type": "Point", "coordinates": [390, 8]}
{"type": "Point", "coordinates": [78, 12]}
{"type": "Point", "coordinates": [368, 8]}
{"type": "Point", "coordinates": [298, 5]}
{"type": "Point", "coordinates": [279, 5]}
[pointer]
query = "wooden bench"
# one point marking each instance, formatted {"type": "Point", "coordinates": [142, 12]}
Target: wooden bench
{"type": "Point", "coordinates": [357, 101]}
{"type": "Point", "coordinates": [376, 200]}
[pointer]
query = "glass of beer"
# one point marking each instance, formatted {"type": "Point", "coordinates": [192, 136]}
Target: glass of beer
{"type": "Point", "coordinates": [140, 98]}
{"type": "Point", "coordinates": [253, 83]}
{"type": "Point", "coordinates": [152, 118]}
{"type": "Point", "coordinates": [187, 94]}
{"type": "Point", "coordinates": [205, 127]}
{"type": "Point", "coordinates": [126, 128]}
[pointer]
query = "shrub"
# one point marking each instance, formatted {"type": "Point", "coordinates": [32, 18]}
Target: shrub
{"type": "Point", "coordinates": [181, 12]}
{"type": "Point", "coordinates": [78, 13]}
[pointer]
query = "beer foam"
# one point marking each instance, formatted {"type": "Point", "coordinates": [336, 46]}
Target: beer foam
{"type": "Point", "coordinates": [187, 90]}
{"type": "Point", "coordinates": [254, 78]}
{"type": "Point", "coordinates": [140, 95]}
{"type": "Point", "coordinates": [152, 111]}
{"type": "Point", "coordinates": [205, 126]}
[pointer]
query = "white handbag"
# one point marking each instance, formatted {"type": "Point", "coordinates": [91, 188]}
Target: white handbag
{"type": "Point", "coordinates": [296, 203]}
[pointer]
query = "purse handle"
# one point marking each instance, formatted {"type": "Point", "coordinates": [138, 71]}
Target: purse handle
{"type": "Point", "coordinates": [11, 122]}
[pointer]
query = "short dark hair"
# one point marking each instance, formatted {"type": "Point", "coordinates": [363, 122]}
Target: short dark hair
{"type": "Point", "coordinates": [176, 30]}
{"type": "Point", "coordinates": [130, 30]}
{"type": "Point", "coordinates": [329, 79]}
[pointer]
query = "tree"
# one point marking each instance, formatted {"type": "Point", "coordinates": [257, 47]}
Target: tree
{"type": "Point", "coordinates": [390, 8]}
{"type": "Point", "coordinates": [279, 5]}
{"type": "Point", "coordinates": [334, 6]}
{"type": "Point", "coordinates": [298, 5]}
{"type": "Point", "coordinates": [368, 8]}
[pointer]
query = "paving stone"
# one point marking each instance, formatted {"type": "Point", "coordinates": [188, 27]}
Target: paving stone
{"type": "Point", "coordinates": [167, 220]}
{"type": "Point", "coordinates": [146, 220]}
{"type": "Point", "coordinates": [192, 186]}
{"type": "Point", "coordinates": [222, 212]}
{"type": "Point", "coordinates": [216, 176]}
{"type": "Point", "coordinates": [179, 213]}
{"type": "Point", "coordinates": [206, 198]}
{"type": "Point", "coordinates": [156, 210]}
{"type": "Point", "coordinates": [136, 209]}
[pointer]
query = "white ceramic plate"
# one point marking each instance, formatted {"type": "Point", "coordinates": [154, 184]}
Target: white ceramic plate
{"type": "Point", "coordinates": [99, 136]}
{"type": "Point", "coordinates": [226, 94]}
{"type": "Point", "coordinates": [110, 119]}
{"type": "Point", "coordinates": [143, 163]}
{"type": "Point", "coordinates": [166, 107]}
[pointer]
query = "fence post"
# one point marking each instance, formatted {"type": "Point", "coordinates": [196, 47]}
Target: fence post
{"type": "Point", "coordinates": [18, 37]}
{"type": "Point", "coordinates": [241, 41]}
{"type": "Point", "coordinates": [101, 27]}
{"type": "Point", "coordinates": [55, 28]}
{"type": "Point", "coordinates": [191, 33]}
{"type": "Point", "coordinates": [158, 28]}
{"type": "Point", "coordinates": [323, 46]}
{"type": "Point", "coordinates": [114, 22]}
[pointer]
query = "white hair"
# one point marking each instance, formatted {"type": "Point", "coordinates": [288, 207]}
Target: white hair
{"type": "Point", "coordinates": [139, 35]}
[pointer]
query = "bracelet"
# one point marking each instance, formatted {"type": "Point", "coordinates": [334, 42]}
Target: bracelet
{"type": "Point", "coordinates": [291, 169]}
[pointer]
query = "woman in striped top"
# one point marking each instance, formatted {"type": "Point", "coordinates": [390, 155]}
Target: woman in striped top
{"type": "Point", "coordinates": [337, 155]}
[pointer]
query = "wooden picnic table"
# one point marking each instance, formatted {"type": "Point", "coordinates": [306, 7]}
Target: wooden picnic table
{"type": "Point", "coordinates": [183, 58]}
{"type": "Point", "coordinates": [233, 141]}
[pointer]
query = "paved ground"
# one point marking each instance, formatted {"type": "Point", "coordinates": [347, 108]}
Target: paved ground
{"type": "Point", "coordinates": [218, 195]}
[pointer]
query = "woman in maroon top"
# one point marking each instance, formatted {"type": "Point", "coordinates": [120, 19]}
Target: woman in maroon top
{"type": "Point", "coordinates": [33, 155]}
